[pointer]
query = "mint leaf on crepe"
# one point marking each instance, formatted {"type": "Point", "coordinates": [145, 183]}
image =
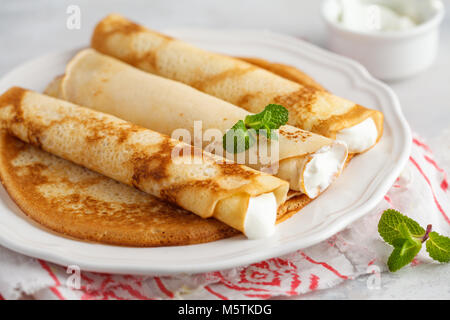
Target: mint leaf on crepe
{"type": "Point", "coordinates": [389, 225]}
{"type": "Point", "coordinates": [238, 138]}
{"type": "Point", "coordinates": [438, 247]}
{"type": "Point", "coordinates": [272, 117]}
{"type": "Point", "coordinates": [404, 252]}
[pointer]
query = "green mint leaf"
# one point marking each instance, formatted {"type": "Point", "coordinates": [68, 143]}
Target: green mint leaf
{"type": "Point", "coordinates": [390, 224]}
{"type": "Point", "coordinates": [405, 234]}
{"type": "Point", "coordinates": [404, 252]}
{"type": "Point", "coordinates": [404, 231]}
{"type": "Point", "coordinates": [256, 121]}
{"type": "Point", "coordinates": [279, 116]}
{"type": "Point", "coordinates": [438, 247]}
{"type": "Point", "coordinates": [238, 138]}
{"type": "Point", "coordinates": [272, 117]}
{"type": "Point", "coordinates": [407, 237]}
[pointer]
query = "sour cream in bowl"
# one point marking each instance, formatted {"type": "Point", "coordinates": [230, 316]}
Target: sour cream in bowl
{"type": "Point", "coordinates": [393, 39]}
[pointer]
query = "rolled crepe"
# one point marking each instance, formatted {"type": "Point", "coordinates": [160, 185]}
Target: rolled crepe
{"type": "Point", "coordinates": [239, 82]}
{"type": "Point", "coordinates": [285, 71]}
{"type": "Point", "coordinates": [309, 162]}
{"type": "Point", "coordinates": [197, 181]}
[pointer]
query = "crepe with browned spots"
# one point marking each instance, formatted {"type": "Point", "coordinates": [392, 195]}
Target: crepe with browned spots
{"type": "Point", "coordinates": [80, 203]}
{"type": "Point", "coordinates": [197, 181]}
{"type": "Point", "coordinates": [238, 82]}
{"type": "Point", "coordinates": [285, 71]}
{"type": "Point", "coordinates": [109, 85]}
{"type": "Point", "coordinates": [77, 202]}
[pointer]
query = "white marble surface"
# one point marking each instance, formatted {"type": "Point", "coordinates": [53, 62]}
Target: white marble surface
{"type": "Point", "coordinates": [29, 28]}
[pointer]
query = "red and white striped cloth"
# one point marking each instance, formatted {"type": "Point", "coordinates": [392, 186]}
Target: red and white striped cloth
{"type": "Point", "coordinates": [422, 192]}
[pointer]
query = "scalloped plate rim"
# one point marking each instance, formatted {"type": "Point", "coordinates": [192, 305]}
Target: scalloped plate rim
{"type": "Point", "coordinates": [64, 255]}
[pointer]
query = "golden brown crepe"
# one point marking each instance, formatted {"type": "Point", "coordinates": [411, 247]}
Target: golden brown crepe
{"type": "Point", "coordinates": [168, 169]}
{"type": "Point", "coordinates": [233, 80]}
{"type": "Point", "coordinates": [75, 201]}
{"type": "Point", "coordinates": [111, 86]}
{"type": "Point", "coordinates": [90, 206]}
{"type": "Point", "coordinates": [285, 71]}
{"type": "Point", "coordinates": [80, 203]}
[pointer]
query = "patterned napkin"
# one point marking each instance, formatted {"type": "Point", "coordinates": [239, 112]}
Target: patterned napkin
{"type": "Point", "coordinates": [421, 192]}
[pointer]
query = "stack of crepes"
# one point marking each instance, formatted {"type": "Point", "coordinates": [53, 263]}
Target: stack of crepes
{"type": "Point", "coordinates": [87, 197]}
{"type": "Point", "coordinates": [168, 169]}
{"type": "Point", "coordinates": [244, 84]}
{"type": "Point", "coordinates": [308, 161]}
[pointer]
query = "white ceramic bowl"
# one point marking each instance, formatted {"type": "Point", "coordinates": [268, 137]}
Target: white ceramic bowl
{"type": "Point", "coordinates": [389, 55]}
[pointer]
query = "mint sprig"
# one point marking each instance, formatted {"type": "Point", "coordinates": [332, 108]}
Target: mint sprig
{"type": "Point", "coordinates": [407, 237]}
{"type": "Point", "coordinates": [404, 252]}
{"type": "Point", "coordinates": [438, 247]}
{"type": "Point", "coordinates": [272, 117]}
{"type": "Point", "coordinates": [390, 223]}
{"type": "Point", "coordinates": [239, 138]}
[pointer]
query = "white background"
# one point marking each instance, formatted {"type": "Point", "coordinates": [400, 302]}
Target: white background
{"type": "Point", "coordinates": [30, 28]}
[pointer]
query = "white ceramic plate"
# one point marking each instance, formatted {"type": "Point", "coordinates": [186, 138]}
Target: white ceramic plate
{"type": "Point", "coordinates": [361, 186]}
